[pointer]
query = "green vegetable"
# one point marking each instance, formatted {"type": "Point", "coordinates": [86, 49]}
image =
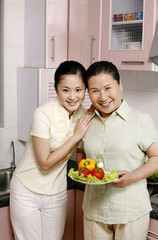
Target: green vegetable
{"type": "Point", "coordinates": [154, 177]}
{"type": "Point", "coordinates": [108, 177]}
{"type": "Point", "coordinates": [100, 163]}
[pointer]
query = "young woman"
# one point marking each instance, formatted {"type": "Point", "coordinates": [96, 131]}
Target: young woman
{"type": "Point", "coordinates": [38, 189]}
{"type": "Point", "coordinates": [123, 137]}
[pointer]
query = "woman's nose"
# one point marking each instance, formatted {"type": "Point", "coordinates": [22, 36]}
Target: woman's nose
{"type": "Point", "coordinates": [103, 95]}
{"type": "Point", "coordinates": [72, 95]}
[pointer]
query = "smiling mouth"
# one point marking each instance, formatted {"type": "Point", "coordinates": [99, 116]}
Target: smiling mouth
{"type": "Point", "coordinates": [105, 105]}
{"type": "Point", "coordinates": [72, 103]}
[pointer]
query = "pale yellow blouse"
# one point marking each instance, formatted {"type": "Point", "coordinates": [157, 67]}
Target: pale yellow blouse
{"type": "Point", "coordinates": [50, 121]}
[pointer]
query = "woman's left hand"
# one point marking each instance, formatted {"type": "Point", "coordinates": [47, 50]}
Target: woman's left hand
{"type": "Point", "coordinates": [125, 178]}
{"type": "Point", "coordinates": [91, 109]}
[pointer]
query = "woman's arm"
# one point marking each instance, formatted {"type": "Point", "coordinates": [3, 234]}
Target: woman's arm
{"type": "Point", "coordinates": [149, 168]}
{"type": "Point", "coordinates": [80, 154]}
{"type": "Point", "coordinates": [46, 159]}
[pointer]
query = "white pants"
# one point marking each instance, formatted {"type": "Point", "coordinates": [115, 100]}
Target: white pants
{"type": "Point", "coordinates": [134, 230]}
{"type": "Point", "coordinates": [36, 216]}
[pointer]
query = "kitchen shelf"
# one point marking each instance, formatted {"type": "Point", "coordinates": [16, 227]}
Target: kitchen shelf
{"type": "Point", "coordinates": [133, 22]}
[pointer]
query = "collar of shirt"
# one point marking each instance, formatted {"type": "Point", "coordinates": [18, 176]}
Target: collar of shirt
{"type": "Point", "coordinates": [122, 111]}
{"type": "Point", "coordinates": [74, 116]}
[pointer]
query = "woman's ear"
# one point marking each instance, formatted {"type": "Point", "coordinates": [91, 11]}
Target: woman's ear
{"type": "Point", "coordinates": [121, 87]}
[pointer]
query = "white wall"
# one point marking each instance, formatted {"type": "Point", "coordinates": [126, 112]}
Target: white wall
{"type": "Point", "coordinates": [13, 47]}
{"type": "Point", "coordinates": [141, 91]}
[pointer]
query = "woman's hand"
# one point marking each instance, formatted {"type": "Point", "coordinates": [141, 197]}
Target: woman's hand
{"type": "Point", "coordinates": [125, 178]}
{"type": "Point", "coordinates": [91, 109]}
{"type": "Point", "coordinates": [82, 125]}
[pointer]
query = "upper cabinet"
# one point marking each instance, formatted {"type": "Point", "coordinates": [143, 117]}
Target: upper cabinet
{"type": "Point", "coordinates": [46, 26]}
{"type": "Point", "coordinates": [84, 31]}
{"type": "Point", "coordinates": [128, 27]}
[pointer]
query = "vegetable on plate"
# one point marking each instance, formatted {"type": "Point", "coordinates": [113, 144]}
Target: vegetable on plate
{"type": "Point", "coordinates": [85, 171]}
{"type": "Point", "coordinates": [88, 163]}
{"type": "Point", "coordinates": [98, 173]}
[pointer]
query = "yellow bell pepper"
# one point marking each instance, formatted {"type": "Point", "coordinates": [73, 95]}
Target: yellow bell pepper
{"type": "Point", "coordinates": [88, 163]}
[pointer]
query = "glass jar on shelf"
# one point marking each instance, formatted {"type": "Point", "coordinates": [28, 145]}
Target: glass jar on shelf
{"type": "Point", "coordinates": [127, 25]}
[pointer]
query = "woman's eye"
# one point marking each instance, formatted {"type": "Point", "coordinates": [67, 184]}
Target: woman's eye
{"type": "Point", "coordinates": [65, 90]}
{"type": "Point", "coordinates": [79, 89]}
{"type": "Point", "coordinates": [108, 88]}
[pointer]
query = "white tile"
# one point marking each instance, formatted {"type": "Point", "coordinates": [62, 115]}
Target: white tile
{"type": "Point", "coordinates": [147, 102]}
{"type": "Point", "coordinates": [129, 96]}
{"type": "Point", "coordinates": [14, 57]}
{"type": "Point", "coordinates": [1, 107]}
{"type": "Point", "coordinates": [147, 81]}
{"type": "Point", "coordinates": [10, 107]}
{"type": "Point", "coordinates": [14, 25]}
{"type": "Point", "coordinates": [14, 2]}
{"type": "Point", "coordinates": [1, 67]}
{"type": "Point", "coordinates": [128, 79]}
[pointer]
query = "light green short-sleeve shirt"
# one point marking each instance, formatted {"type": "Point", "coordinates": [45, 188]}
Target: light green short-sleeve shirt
{"type": "Point", "coordinates": [50, 121]}
{"type": "Point", "coordinates": [121, 141]}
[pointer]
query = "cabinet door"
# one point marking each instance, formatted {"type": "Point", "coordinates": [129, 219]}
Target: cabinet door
{"type": "Point", "coordinates": [153, 230]}
{"type": "Point", "coordinates": [46, 23]}
{"type": "Point", "coordinates": [34, 52]}
{"type": "Point", "coordinates": [56, 32]}
{"type": "Point", "coordinates": [6, 231]}
{"type": "Point", "coordinates": [79, 233]}
{"type": "Point", "coordinates": [69, 225]}
{"type": "Point", "coordinates": [132, 37]}
{"type": "Point", "coordinates": [84, 31]}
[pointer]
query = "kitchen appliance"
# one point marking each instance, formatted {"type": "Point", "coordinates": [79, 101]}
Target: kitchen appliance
{"type": "Point", "coordinates": [35, 87]}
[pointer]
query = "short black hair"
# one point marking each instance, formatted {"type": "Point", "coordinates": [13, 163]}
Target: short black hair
{"type": "Point", "coordinates": [103, 67]}
{"type": "Point", "coordinates": [67, 68]}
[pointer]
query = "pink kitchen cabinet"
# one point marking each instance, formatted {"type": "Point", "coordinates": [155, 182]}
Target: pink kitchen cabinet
{"type": "Point", "coordinates": [46, 26]}
{"type": "Point", "coordinates": [69, 225]}
{"type": "Point", "coordinates": [84, 31]}
{"type": "Point", "coordinates": [79, 233]}
{"type": "Point", "coordinates": [153, 230]}
{"type": "Point", "coordinates": [128, 28]}
{"type": "Point", "coordinates": [6, 231]}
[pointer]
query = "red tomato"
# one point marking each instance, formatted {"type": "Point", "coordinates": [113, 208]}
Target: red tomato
{"type": "Point", "coordinates": [85, 171]}
{"type": "Point", "coordinates": [98, 173]}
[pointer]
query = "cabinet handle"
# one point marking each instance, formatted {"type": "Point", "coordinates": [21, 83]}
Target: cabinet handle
{"type": "Point", "coordinates": [53, 49]}
{"type": "Point", "coordinates": [92, 58]}
{"type": "Point", "coordinates": [132, 62]}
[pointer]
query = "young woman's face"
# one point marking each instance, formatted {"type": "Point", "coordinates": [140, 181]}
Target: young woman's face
{"type": "Point", "coordinates": [105, 94]}
{"type": "Point", "coordinates": [71, 92]}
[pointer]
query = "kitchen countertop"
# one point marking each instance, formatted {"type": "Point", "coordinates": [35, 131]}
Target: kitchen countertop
{"type": "Point", "coordinates": [4, 199]}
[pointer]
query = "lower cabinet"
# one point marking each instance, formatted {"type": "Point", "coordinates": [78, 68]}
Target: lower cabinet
{"type": "Point", "coordinates": [79, 216]}
{"type": "Point", "coordinates": [153, 230]}
{"type": "Point", "coordinates": [6, 231]}
{"type": "Point", "coordinates": [69, 233]}
{"type": "Point", "coordinates": [74, 219]}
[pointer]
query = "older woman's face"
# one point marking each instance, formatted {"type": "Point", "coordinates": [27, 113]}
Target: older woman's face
{"type": "Point", "coordinates": [105, 94]}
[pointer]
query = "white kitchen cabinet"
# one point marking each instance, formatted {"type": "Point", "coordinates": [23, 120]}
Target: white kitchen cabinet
{"type": "Point", "coordinates": [84, 31]}
{"type": "Point", "coordinates": [46, 26]}
{"type": "Point", "coordinates": [35, 87]}
{"type": "Point", "coordinates": [6, 231]}
{"type": "Point", "coordinates": [126, 36]}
